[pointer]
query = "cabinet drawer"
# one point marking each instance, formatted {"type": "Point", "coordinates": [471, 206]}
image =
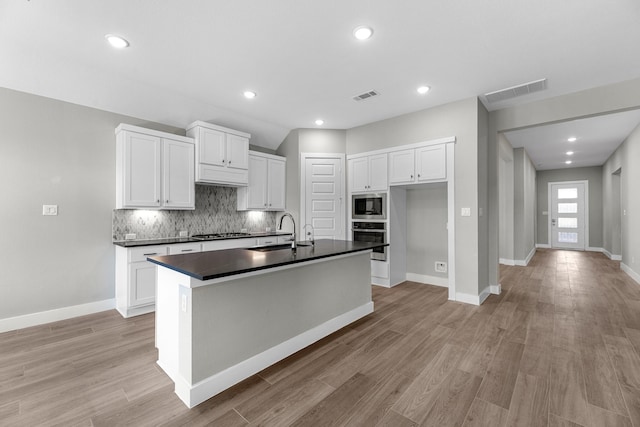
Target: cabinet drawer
{"type": "Point", "coordinates": [184, 248]}
{"type": "Point", "coordinates": [271, 240]}
{"type": "Point", "coordinates": [141, 253]}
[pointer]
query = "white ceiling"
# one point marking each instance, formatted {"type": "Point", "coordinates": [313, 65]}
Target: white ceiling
{"type": "Point", "coordinates": [192, 59]}
{"type": "Point", "coordinates": [596, 139]}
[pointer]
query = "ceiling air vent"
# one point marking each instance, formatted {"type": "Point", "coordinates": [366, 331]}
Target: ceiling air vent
{"type": "Point", "coordinates": [366, 95]}
{"type": "Point", "coordinates": [512, 92]}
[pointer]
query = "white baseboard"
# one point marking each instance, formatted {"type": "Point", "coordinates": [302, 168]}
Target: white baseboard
{"type": "Point", "coordinates": [543, 246]}
{"type": "Point", "coordinates": [193, 395]}
{"type": "Point", "coordinates": [473, 299]}
{"type": "Point", "coordinates": [611, 256]}
{"type": "Point", "coordinates": [495, 289]}
{"type": "Point", "coordinates": [635, 276]}
{"type": "Point", "coordinates": [429, 280]}
{"type": "Point", "coordinates": [34, 319]}
{"type": "Point", "coordinates": [505, 261]}
{"type": "Point", "coordinates": [525, 262]}
{"type": "Point", "coordinates": [592, 249]}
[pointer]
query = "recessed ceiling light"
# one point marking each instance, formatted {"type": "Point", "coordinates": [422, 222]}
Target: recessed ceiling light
{"type": "Point", "coordinates": [572, 139]}
{"type": "Point", "coordinates": [117, 41]}
{"type": "Point", "coordinates": [568, 162]}
{"type": "Point", "coordinates": [319, 122]}
{"type": "Point", "coordinates": [569, 153]}
{"type": "Point", "coordinates": [363, 32]}
{"type": "Point", "coordinates": [423, 89]}
{"type": "Point", "coordinates": [249, 94]}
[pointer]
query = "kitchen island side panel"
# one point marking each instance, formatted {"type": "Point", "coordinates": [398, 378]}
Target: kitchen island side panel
{"type": "Point", "coordinates": [238, 319]}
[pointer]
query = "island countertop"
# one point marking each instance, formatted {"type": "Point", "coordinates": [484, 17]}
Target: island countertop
{"type": "Point", "coordinates": [228, 262]}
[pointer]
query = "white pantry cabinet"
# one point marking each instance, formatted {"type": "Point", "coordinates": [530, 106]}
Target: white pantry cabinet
{"type": "Point", "coordinates": [154, 170]}
{"type": "Point", "coordinates": [418, 165]}
{"type": "Point", "coordinates": [267, 183]}
{"type": "Point", "coordinates": [368, 173]}
{"type": "Point", "coordinates": [222, 154]}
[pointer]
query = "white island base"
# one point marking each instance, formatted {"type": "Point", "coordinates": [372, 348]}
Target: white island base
{"type": "Point", "coordinates": [213, 334]}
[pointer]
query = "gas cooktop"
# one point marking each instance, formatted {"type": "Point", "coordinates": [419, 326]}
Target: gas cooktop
{"type": "Point", "coordinates": [210, 236]}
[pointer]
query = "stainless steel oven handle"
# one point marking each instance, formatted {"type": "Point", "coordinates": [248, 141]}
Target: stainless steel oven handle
{"type": "Point", "coordinates": [359, 230]}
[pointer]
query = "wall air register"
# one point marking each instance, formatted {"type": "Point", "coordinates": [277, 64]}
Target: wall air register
{"type": "Point", "coordinates": [514, 91]}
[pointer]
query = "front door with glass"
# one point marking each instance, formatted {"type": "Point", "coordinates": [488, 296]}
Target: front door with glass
{"type": "Point", "coordinates": [567, 222]}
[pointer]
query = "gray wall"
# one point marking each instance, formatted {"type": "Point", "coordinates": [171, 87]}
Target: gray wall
{"type": "Point", "coordinates": [506, 201]}
{"type": "Point", "coordinates": [591, 174]}
{"type": "Point", "coordinates": [53, 152]}
{"type": "Point", "coordinates": [484, 172]}
{"type": "Point", "coordinates": [459, 119]}
{"type": "Point", "coordinates": [524, 209]}
{"type": "Point", "coordinates": [427, 229]}
{"type": "Point", "coordinates": [626, 158]}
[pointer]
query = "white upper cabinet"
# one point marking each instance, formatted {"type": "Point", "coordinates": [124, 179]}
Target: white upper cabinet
{"type": "Point", "coordinates": [222, 154]}
{"type": "Point", "coordinates": [178, 183]}
{"type": "Point", "coordinates": [417, 165]}
{"type": "Point", "coordinates": [368, 173]}
{"type": "Point", "coordinates": [153, 169]}
{"type": "Point", "coordinates": [267, 183]}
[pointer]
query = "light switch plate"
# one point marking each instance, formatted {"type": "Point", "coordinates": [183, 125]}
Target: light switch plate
{"type": "Point", "coordinates": [49, 209]}
{"type": "Point", "coordinates": [465, 212]}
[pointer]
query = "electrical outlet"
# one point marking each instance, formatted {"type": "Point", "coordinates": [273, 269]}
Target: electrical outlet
{"type": "Point", "coordinates": [130, 236]}
{"type": "Point", "coordinates": [184, 233]}
{"type": "Point", "coordinates": [49, 209]}
{"type": "Point", "coordinates": [243, 230]}
{"type": "Point", "coordinates": [441, 267]}
{"type": "Point", "coordinates": [465, 212]}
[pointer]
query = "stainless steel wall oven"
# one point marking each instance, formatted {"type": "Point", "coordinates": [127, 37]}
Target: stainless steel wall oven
{"type": "Point", "coordinates": [375, 232]}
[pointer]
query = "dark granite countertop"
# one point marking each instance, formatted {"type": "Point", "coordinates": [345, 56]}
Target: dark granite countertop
{"type": "Point", "coordinates": [229, 262]}
{"type": "Point", "coordinates": [174, 240]}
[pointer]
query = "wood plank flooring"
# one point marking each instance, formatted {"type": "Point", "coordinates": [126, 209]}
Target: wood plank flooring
{"type": "Point", "coordinates": [559, 347]}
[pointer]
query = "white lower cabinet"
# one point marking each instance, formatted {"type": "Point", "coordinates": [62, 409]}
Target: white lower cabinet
{"type": "Point", "coordinates": [136, 279]}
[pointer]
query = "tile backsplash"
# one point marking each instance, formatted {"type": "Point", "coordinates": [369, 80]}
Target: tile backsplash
{"type": "Point", "coordinates": [215, 212]}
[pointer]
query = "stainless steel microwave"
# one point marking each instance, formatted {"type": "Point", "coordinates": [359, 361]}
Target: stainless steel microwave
{"type": "Point", "coordinates": [369, 206]}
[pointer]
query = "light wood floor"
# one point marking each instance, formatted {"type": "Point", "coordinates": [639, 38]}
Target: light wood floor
{"type": "Point", "coordinates": [559, 347]}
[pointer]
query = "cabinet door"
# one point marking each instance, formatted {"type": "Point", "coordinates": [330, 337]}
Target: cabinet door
{"type": "Point", "coordinates": [401, 164]}
{"type": "Point", "coordinates": [257, 188]}
{"type": "Point", "coordinates": [141, 170]}
{"type": "Point", "coordinates": [142, 283]}
{"type": "Point", "coordinates": [359, 173]}
{"type": "Point", "coordinates": [378, 179]}
{"type": "Point", "coordinates": [237, 151]}
{"type": "Point", "coordinates": [277, 185]}
{"type": "Point", "coordinates": [431, 163]}
{"type": "Point", "coordinates": [212, 147]}
{"type": "Point", "coordinates": [178, 174]}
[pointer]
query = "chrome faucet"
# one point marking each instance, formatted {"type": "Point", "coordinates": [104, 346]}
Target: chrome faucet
{"type": "Point", "coordinates": [293, 238]}
{"type": "Point", "coordinates": [311, 233]}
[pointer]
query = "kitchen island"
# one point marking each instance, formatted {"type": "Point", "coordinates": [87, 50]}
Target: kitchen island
{"type": "Point", "coordinates": [222, 316]}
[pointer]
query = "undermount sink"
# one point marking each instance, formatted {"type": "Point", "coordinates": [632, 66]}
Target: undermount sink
{"type": "Point", "coordinates": [277, 247]}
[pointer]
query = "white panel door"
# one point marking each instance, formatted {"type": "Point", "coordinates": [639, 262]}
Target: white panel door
{"type": "Point", "coordinates": [568, 226]}
{"type": "Point", "coordinates": [323, 198]}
